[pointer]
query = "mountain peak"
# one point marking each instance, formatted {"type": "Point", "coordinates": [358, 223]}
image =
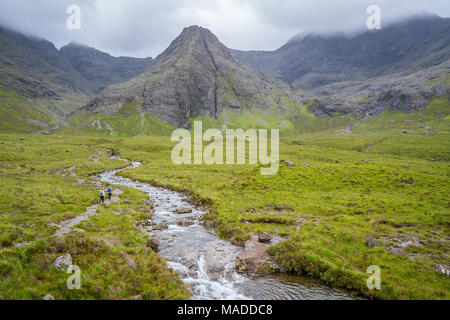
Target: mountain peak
{"type": "Point", "coordinates": [195, 76]}
{"type": "Point", "coordinates": [195, 39]}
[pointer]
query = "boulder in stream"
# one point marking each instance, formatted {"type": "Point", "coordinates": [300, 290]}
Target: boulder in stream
{"type": "Point", "coordinates": [183, 210]}
{"type": "Point", "coordinates": [189, 258]}
{"type": "Point", "coordinates": [255, 258]}
{"type": "Point", "coordinates": [265, 237]}
{"type": "Point", "coordinates": [185, 223]}
{"type": "Point", "coordinates": [161, 226]}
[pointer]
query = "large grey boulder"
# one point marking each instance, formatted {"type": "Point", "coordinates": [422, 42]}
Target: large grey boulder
{"type": "Point", "coordinates": [255, 258]}
{"type": "Point", "coordinates": [372, 243]}
{"type": "Point", "coordinates": [63, 262]}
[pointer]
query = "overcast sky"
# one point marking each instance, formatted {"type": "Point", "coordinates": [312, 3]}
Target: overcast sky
{"type": "Point", "coordinates": [144, 28]}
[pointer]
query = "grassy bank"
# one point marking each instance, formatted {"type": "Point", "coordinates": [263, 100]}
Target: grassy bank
{"type": "Point", "coordinates": [37, 191]}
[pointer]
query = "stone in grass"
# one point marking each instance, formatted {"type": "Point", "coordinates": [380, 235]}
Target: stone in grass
{"type": "Point", "coordinates": [289, 163]}
{"type": "Point", "coordinates": [396, 251]}
{"type": "Point", "coordinates": [283, 207]}
{"type": "Point", "coordinates": [265, 237]}
{"type": "Point", "coordinates": [153, 243]}
{"type": "Point", "coordinates": [48, 297]}
{"type": "Point", "coordinates": [372, 243]}
{"type": "Point", "coordinates": [137, 297]}
{"type": "Point", "coordinates": [63, 262]}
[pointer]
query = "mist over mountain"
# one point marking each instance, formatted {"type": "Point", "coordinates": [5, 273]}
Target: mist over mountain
{"type": "Point", "coordinates": [401, 67]}
{"type": "Point", "coordinates": [315, 60]}
{"type": "Point", "coordinates": [41, 85]}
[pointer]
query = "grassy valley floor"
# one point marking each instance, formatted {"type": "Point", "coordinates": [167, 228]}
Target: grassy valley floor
{"type": "Point", "coordinates": [386, 179]}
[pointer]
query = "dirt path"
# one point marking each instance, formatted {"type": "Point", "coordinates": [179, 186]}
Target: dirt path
{"type": "Point", "coordinates": [66, 226]}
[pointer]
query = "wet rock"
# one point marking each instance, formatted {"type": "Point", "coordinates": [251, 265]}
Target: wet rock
{"type": "Point", "coordinates": [137, 297]}
{"type": "Point", "coordinates": [265, 237]}
{"type": "Point", "coordinates": [153, 243]}
{"type": "Point", "coordinates": [217, 261]}
{"type": "Point", "coordinates": [306, 164]}
{"type": "Point", "coordinates": [48, 297]}
{"type": "Point", "coordinates": [372, 243]}
{"type": "Point", "coordinates": [185, 223]}
{"type": "Point", "coordinates": [237, 242]}
{"type": "Point", "coordinates": [63, 262]}
{"type": "Point", "coordinates": [183, 210]}
{"type": "Point", "coordinates": [189, 258]}
{"type": "Point", "coordinates": [147, 223]}
{"type": "Point", "coordinates": [161, 226]}
{"type": "Point", "coordinates": [396, 251]}
{"type": "Point", "coordinates": [255, 258]}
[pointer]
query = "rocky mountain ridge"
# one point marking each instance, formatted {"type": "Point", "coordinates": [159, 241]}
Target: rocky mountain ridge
{"type": "Point", "coordinates": [399, 68]}
{"type": "Point", "coordinates": [40, 85]}
{"type": "Point", "coordinates": [315, 60]}
{"type": "Point", "coordinates": [195, 76]}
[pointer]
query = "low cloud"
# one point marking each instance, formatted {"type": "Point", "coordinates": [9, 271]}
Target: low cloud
{"type": "Point", "coordinates": [145, 28]}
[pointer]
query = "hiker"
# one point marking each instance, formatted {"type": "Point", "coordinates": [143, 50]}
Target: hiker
{"type": "Point", "coordinates": [109, 190]}
{"type": "Point", "coordinates": [102, 196]}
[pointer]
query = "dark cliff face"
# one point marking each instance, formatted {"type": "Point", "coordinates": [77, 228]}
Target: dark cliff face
{"type": "Point", "coordinates": [101, 69]}
{"type": "Point", "coordinates": [41, 85]}
{"type": "Point", "coordinates": [314, 60]}
{"type": "Point", "coordinates": [35, 68]}
{"type": "Point", "coordinates": [196, 75]}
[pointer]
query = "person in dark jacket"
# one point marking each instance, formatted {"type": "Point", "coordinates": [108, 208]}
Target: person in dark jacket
{"type": "Point", "coordinates": [109, 191]}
